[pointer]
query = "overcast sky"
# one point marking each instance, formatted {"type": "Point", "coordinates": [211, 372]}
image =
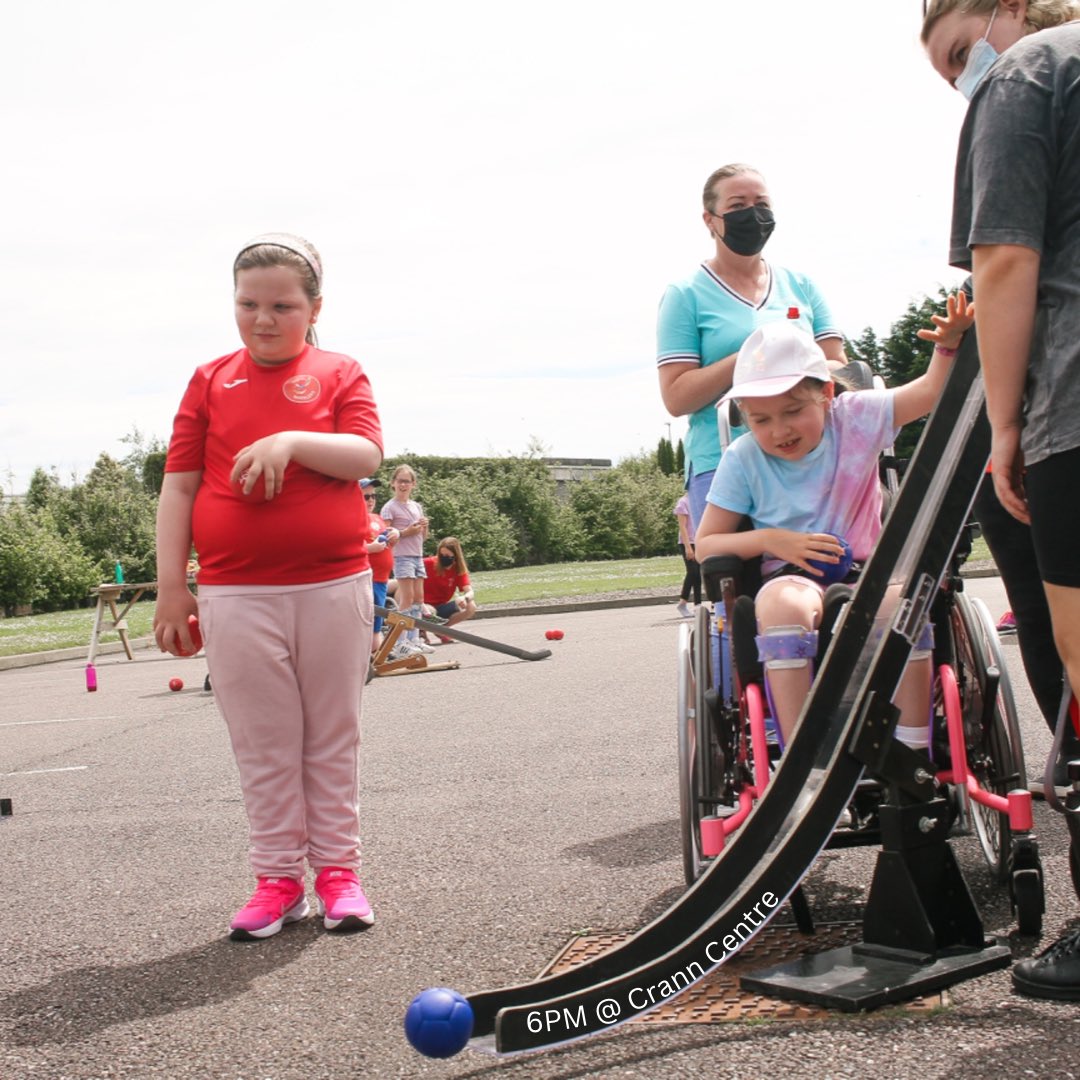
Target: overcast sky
{"type": "Point", "coordinates": [500, 193]}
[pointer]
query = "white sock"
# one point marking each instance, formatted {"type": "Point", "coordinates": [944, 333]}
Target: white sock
{"type": "Point", "coordinates": [918, 738]}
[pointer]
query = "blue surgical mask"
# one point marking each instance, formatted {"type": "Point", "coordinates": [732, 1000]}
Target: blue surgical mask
{"type": "Point", "coordinates": [980, 59]}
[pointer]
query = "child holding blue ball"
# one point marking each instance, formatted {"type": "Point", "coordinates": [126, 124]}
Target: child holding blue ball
{"type": "Point", "coordinates": [806, 474]}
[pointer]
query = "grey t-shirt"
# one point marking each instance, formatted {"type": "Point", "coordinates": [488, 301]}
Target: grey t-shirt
{"type": "Point", "coordinates": [1018, 182]}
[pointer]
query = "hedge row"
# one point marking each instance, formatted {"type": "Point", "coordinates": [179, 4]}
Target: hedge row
{"type": "Point", "coordinates": [62, 540]}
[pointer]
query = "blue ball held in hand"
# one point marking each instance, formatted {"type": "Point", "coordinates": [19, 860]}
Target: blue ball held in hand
{"type": "Point", "coordinates": [834, 571]}
{"type": "Point", "coordinates": [438, 1022]}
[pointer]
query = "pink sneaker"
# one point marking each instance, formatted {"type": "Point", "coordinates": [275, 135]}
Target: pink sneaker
{"type": "Point", "coordinates": [341, 901]}
{"type": "Point", "coordinates": [276, 901]}
{"type": "Point", "coordinates": [1006, 623]}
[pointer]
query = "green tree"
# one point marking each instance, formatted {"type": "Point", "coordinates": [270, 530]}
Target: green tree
{"type": "Point", "coordinates": [867, 348]}
{"type": "Point", "coordinates": [44, 490]}
{"type": "Point", "coordinates": [153, 471]}
{"type": "Point", "coordinates": [665, 457]}
{"type": "Point", "coordinates": [145, 459]}
{"type": "Point", "coordinates": [113, 517]}
{"type": "Point", "coordinates": [604, 507]}
{"type": "Point", "coordinates": [39, 567]}
{"type": "Point", "coordinates": [902, 355]}
{"type": "Point", "coordinates": [463, 506]}
{"type": "Point", "coordinates": [626, 512]}
{"type": "Point", "coordinates": [525, 496]}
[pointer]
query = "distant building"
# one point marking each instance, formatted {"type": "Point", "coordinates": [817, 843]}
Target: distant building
{"type": "Point", "coordinates": [566, 471]}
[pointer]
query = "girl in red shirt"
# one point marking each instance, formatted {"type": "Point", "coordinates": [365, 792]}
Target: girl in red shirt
{"type": "Point", "coordinates": [447, 575]}
{"type": "Point", "coordinates": [262, 471]}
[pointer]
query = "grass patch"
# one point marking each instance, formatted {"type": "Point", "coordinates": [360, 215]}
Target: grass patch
{"type": "Point", "coordinates": [67, 629]}
{"type": "Point", "coordinates": [979, 551]}
{"type": "Point", "coordinates": [558, 580]}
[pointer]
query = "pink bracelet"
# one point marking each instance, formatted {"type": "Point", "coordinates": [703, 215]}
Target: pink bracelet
{"type": "Point", "coordinates": [945, 352]}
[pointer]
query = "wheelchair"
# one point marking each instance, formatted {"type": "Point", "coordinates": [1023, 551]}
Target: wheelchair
{"type": "Point", "coordinates": [728, 744]}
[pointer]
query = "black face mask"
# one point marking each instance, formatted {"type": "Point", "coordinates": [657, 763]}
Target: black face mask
{"type": "Point", "coordinates": [747, 230]}
{"type": "Point", "coordinates": [446, 560]}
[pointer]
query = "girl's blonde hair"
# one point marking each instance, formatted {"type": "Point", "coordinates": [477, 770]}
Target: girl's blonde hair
{"type": "Point", "coordinates": [403, 469]}
{"type": "Point", "coordinates": [292, 252]}
{"type": "Point", "coordinates": [1040, 14]}
{"type": "Point", "coordinates": [453, 544]}
{"type": "Point", "coordinates": [725, 172]}
{"type": "Point", "coordinates": [814, 389]}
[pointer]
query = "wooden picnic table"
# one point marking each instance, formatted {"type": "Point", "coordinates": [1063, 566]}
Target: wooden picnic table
{"type": "Point", "coordinates": [108, 594]}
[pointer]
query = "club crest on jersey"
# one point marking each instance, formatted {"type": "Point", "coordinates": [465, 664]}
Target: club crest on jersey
{"type": "Point", "coordinates": [301, 388]}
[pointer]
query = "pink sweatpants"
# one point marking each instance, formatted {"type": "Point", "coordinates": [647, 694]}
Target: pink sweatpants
{"type": "Point", "coordinates": [287, 667]}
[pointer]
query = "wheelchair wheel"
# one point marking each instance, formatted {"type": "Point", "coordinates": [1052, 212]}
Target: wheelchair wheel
{"type": "Point", "coordinates": [697, 741]}
{"type": "Point", "coordinates": [994, 754]}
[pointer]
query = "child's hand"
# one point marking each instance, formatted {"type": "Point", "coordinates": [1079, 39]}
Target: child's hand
{"type": "Point", "coordinates": [799, 548]}
{"type": "Point", "coordinates": [172, 631]}
{"type": "Point", "coordinates": [950, 327]}
{"type": "Point", "coordinates": [267, 458]}
{"type": "Point", "coordinates": [392, 536]}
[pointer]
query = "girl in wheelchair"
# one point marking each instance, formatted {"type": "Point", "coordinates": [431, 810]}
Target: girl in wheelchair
{"type": "Point", "coordinates": [806, 474]}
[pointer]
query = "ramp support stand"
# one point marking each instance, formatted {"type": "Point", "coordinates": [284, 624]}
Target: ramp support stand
{"type": "Point", "coordinates": [921, 928]}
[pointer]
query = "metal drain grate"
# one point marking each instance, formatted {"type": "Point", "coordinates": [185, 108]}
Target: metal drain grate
{"type": "Point", "coordinates": [717, 998]}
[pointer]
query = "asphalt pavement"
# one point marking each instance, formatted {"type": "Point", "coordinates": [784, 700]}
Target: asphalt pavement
{"type": "Point", "coordinates": [507, 806]}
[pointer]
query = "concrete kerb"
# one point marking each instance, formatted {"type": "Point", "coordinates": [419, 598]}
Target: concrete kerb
{"type": "Point", "coordinates": [50, 656]}
{"type": "Point", "coordinates": [490, 611]}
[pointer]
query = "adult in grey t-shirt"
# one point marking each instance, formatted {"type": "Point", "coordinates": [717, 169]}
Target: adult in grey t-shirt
{"type": "Point", "coordinates": [963, 39]}
{"type": "Point", "coordinates": [1016, 225]}
{"type": "Point", "coordinates": [1018, 183]}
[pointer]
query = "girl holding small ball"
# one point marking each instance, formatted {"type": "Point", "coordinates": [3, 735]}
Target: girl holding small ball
{"type": "Point", "coordinates": [262, 469]}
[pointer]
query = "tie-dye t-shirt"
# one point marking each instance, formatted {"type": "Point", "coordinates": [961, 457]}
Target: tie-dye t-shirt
{"type": "Point", "coordinates": [834, 489]}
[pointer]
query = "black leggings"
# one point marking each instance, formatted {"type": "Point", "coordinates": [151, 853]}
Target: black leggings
{"type": "Point", "coordinates": [692, 580]}
{"type": "Point", "coordinates": [1055, 514]}
{"type": "Point", "coordinates": [1011, 544]}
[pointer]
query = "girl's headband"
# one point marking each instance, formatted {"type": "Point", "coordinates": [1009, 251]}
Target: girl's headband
{"type": "Point", "coordinates": [296, 244]}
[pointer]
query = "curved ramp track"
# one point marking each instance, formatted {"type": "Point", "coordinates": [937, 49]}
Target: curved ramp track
{"type": "Point", "coordinates": [784, 834]}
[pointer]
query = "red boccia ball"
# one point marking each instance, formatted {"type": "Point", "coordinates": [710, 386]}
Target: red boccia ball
{"type": "Point", "coordinates": [176, 684]}
{"type": "Point", "coordinates": [554, 635]}
{"type": "Point", "coordinates": [196, 636]}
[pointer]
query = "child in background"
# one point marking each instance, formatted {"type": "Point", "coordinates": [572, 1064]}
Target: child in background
{"type": "Point", "coordinates": [447, 590]}
{"type": "Point", "coordinates": [806, 473]}
{"type": "Point", "coordinates": [381, 540]}
{"type": "Point", "coordinates": [262, 471]}
{"type": "Point", "coordinates": [692, 577]}
{"type": "Point", "coordinates": [407, 516]}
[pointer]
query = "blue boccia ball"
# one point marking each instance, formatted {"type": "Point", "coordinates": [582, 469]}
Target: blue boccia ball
{"type": "Point", "coordinates": [834, 571]}
{"type": "Point", "coordinates": [438, 1022]}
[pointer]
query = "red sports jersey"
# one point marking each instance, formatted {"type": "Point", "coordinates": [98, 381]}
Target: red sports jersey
{"type": "Point", "coordinates": [313, 531]}
{"type": "Point", "coordinates": [382, 562]}
{"type": "Point", "coordinates": [440, 587]}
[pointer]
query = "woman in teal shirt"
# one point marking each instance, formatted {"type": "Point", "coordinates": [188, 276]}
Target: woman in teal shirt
{"type": "Point", "coordinates": [704, 320]}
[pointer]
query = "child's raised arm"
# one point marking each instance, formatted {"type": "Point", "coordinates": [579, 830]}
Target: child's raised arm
{"type": "Point", "coordinates": [918, 397]}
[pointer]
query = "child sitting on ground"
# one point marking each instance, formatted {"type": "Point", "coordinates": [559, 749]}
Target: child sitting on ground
{"type": "Point", "coordinates": [448, 592]}
{"type": "Point", "coordinates": [806, 474]}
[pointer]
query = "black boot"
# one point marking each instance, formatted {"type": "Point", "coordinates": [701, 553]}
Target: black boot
{"type": "Point", "coordinates": [1053, 974]}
